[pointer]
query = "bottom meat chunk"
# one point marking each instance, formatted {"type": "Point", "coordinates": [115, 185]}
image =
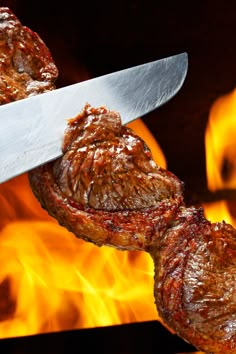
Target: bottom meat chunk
{"type": "Point", "coordinates": [195, 281]}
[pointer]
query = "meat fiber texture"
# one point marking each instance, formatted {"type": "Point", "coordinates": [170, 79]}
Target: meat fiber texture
{"type": "Point", "coordinates": [107, 189]}
{"type": "Point", "coordinates": [195, 281]}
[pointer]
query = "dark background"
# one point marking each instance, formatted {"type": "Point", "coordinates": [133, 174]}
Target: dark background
{"type": "Point", "coordinates": [88, 39]}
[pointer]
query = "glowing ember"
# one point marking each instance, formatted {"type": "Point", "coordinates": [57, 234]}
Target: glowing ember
{"type": "Point", "coordinates": [52, 281]}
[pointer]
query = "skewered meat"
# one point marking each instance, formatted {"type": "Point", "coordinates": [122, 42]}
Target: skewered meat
{"type": "Point", "coordinates": [106, 188]}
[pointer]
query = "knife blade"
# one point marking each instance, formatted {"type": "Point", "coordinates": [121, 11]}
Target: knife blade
{"type": "Point", "coordinates": [32, 129]}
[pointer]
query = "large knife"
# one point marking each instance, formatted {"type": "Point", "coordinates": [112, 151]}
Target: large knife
{"type": "Point", "coordinates": [32, 129]}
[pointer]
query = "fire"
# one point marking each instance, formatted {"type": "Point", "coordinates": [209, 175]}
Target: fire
{"type": "Point", "coordinates": [52, 281]}
{"type": "Point", "coordinates": [220, 143]}
{"type": "Point", "coordinates": [221, 156]}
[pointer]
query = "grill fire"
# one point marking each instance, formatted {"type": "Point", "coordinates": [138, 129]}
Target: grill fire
{"type": "Point", "coordinates": [77, 284]}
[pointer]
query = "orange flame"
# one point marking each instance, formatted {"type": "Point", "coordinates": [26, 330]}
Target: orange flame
{"type": "Point", "coordinates": [220, 144]}
{"type": "Point", "coordinates": [52, 281]}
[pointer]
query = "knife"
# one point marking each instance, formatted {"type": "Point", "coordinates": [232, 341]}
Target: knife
{"type": "Point", "coordinates": [32, 129]}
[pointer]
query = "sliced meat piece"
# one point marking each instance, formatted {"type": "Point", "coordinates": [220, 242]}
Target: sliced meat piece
{"type": "Point", "coordinates": [106, 188]}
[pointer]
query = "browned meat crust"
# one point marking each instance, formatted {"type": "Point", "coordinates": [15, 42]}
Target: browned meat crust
{"type": "Point", "coordinates": [26, 65]}
{"type": "Point", "coordinates": [106, 188]}
{"type": "Point", "coordinates": [195, 277]}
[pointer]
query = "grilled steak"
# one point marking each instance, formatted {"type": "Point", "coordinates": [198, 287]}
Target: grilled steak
{"type": "Point", "coordinates": [106, 188]}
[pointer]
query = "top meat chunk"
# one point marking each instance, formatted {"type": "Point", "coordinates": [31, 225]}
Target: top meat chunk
{"type": "Point", "coordinates": [26, 64]}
